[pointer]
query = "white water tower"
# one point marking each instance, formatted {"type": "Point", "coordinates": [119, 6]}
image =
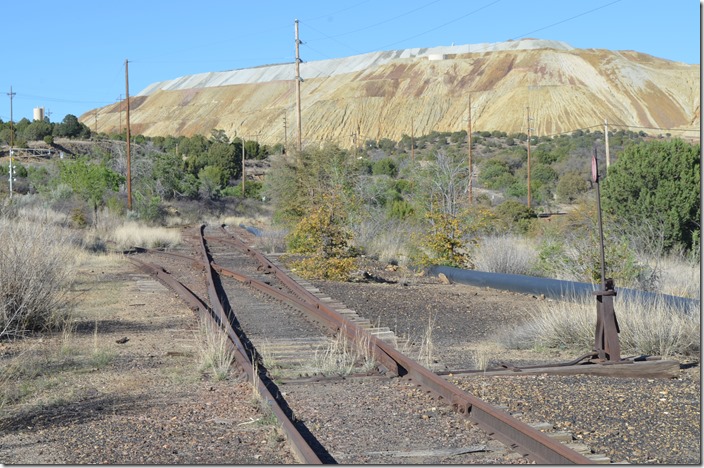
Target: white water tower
{"type": "Point", "coordinates": [39, 113]}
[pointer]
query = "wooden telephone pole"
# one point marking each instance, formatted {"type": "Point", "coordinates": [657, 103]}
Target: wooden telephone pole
{"type": "Point", "coordinates": [413, 142]}
{"type": "Point", "coordinates": [528, 115]}
{"type": "Point", "coordinates": [298, 88]}
{"type": "Point", "coordinates": [127, 115]}
{"type": "Point", "coordinates": [285, 134]}
{"type": "Point", "coordinates": [12, 140]}
{"type": "Point", "coordinates": [606, 143]}
{"type": "Point", "coordinates": [243, 173]}
{"type": "Point", "coordinates": [469, 146]}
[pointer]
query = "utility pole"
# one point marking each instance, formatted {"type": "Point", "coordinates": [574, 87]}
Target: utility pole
{"type": "Point", "coordinates": [469, 145]}
{"type": "Point", "coordinates": [48, 115]}
{"type": "Point", "coordinates": [119, 111]}
{"type": "Point", "coordinates": [298, 87]}
{"type": "Point", "coordinates": [413, 142]}
{"type": "Point", "coordinates": [12, 140]}
{"type": "Point", "coordinates": [129, 170]}
{"type": "Point", "coordinates": [285, 134]}
{"type": "Point", "coordinates": [528, 115]}
{"type": "Point", "coordinates": [606, 142]}
{"type": "Point", "coordinates": [96, 120]}
{"type": "Point", "coordinates": [243, 173]}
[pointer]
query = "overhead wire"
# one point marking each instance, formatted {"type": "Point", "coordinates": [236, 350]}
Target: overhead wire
{"type": "Point", "coordinates": [381, 22]}
{"type": "Point", "coordinates": [444, 24]}
{"type": "Point", "coordinates": [565, 20]}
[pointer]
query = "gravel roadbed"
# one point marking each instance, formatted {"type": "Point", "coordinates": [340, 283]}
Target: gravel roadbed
{"type": "Point", "coordinates": [150, 403]}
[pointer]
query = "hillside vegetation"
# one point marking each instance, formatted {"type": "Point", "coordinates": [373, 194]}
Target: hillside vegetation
{"type": "Point", "coordinates": [406, 202]}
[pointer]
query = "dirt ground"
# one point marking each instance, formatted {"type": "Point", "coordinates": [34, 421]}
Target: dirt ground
{"type": "Point", "coordinates": [89, 399]}
{"type": "Point", "coordinates": [126, 386]}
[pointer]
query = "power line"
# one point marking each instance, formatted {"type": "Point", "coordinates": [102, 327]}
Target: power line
{"type": "Point", "coordinates": [379, 23]}
{"type": "Point", "coordinates": [327, 15]}
{"type": "Point", "coordinates": [565, 20]}
{"type": "Point", "coordinates": [443, 25]}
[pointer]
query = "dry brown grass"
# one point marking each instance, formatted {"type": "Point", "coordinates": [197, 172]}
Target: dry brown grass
{"type": "Point", "coordinates": [343, 357]}
{"type": "Point", "coordinates": [647, 327]}
{"type": "Point", "coordinates": [215, 354]}
{"type": "Point", "coordinates": [133, 234]}
{"type": "Point", "coordinates": [505, 254]}
{"type": "Point", "coordinates": [37, 268]}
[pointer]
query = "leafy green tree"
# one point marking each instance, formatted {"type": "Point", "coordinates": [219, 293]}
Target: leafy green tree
{"type": "Point", "coordinates": [219, 136]}
{"type": "Point", "coordinates": [657, 181]}
{"type": "Point", "coordinates": [21, 126]}
{"type": "Point", "coordinates": [226, 157]}
{"type": "Point", "coordinates": [70, 127]}
{"type": "Point", "coordinates": [542, 174]}
{"type": "Point", "coordinates": [210, 178]}
{"type": "Point", "coordinates": [37, 130]}
{"type": "Point", "coordinates": [89, 181]}
{"type": "Point", "coordinates": [194, 146]}
{"type": "Point", "coordinates": [169, 172]}
{"type": "Point", "coordinates": [6, 135]}
{"type": "Point", "coordinates": [495, 174]}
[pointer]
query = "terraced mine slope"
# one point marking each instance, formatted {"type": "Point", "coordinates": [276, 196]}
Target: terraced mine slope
{"type": "Point", "coordinates": [388, 94]}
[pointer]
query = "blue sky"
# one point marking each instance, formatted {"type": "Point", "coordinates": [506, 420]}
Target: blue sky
{"type": "Point", "coordinates": [68, 56]}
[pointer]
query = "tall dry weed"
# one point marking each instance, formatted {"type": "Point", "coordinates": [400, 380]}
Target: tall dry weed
{"type": "Point", "coordinates": [509, 253]}
{"type": "Point", "coordinates": [216, 353]}
{"type": "Point", "coordinates": [343, 357]}
{"type": "Point", "coordinates": [37, 268]}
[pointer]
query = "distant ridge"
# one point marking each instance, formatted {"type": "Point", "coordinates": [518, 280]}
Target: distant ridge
{"type": "Point", "coordinates": [391, 93]}
{"type": "Point", "coordinates": [332, 67]}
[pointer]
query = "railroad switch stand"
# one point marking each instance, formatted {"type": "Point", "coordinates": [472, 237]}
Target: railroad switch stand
{"type": "Point", "coordinates": [606, 343]}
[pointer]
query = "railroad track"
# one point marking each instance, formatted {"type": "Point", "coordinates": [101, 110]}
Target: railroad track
{"type": "Point", "coordinates": [279, 327]}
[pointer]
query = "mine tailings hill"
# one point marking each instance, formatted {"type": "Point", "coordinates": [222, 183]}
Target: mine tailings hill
{"type": "Point", "coordinates": [417, 91]}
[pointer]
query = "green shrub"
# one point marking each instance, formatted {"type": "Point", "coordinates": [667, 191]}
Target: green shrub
{"type": "Point", "coordinates": [252, 189]}
{"type": "Point", "coordinates": [571, 186]}
{"type": "Point", "coordinates": [515, 215]}
{"type": "Point", "coordinates": [400, 209]}
{"type": "Point", "coordinates": [322, 236]}
{"type": "Point", "coordinates": [385, 166]}
{"type": "Point", "coordinates": [444, 242]}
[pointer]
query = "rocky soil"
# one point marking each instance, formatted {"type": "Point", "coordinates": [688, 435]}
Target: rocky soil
{"type": "Point", "coordinates": [90, 399]}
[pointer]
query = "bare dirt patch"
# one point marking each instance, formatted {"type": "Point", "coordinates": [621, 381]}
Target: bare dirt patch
{"type": "Point", "coordinates": [85, 398]}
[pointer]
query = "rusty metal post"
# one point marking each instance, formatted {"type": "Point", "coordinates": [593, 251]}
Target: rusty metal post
{"type": "Point", "coordinates": [606, 342]}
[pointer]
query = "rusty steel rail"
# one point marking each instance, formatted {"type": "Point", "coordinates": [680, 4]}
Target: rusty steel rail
{"type": "Point", "coordinates": [193, 301]}
{"type": "Point", "coordinates": [521, 437]}
{"type": "Point", "coordinates": [300, 447]}
{"type": "Point", "coordinates": [302, 450]}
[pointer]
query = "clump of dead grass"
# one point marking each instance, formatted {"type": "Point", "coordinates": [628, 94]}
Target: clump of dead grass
{"type": "Point", "coordinates": [342, 356]}
{"type": "Point", "coordinates": [37, 268]}
{"type": "Point", "coordinates": [216, 353]}
{"type": "Point", "coordinates": [651, 327]}
{"type": "Point", "coordinates": [133, 234]}
{"type": "Point", "coordinates": [505, 254]}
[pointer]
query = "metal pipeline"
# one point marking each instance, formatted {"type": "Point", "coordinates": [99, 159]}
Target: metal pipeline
{"type": "Point", "coordinates": [557, 289]}
{"type": "Point", "coordinates": [552, 288]}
